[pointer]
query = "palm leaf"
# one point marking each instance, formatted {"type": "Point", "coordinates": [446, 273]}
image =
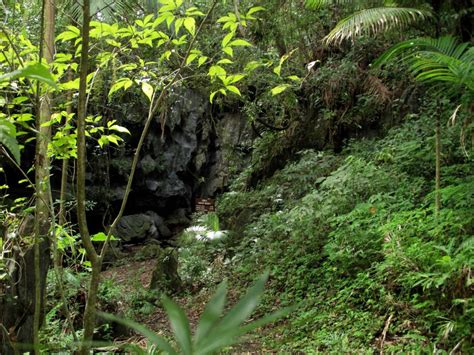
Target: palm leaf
{"type": "Point", "coordinates": [439, 61]}
{"type": "Point", "coordinates": [375, 20]}
{"type": "Point", "coordinates": [404, 50]}
{"type": "Point", "coordinates": [107, 9]}
{"type": "Point", "coordinates": [361, 4]}
{"type": "Point", "coordinates": [353, 4]}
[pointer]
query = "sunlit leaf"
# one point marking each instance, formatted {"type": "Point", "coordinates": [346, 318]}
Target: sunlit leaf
{"type": "Point", "coordinates": [240, 43]}
{"type": "Point", "coordinates": [147, 90]}
{"type": "Point", "coordinates": [190, 25]}
{"type": "Point", "coordinates": [233, 89]}
{"type": "Point", "coordinates": [34, 71]}
{"type": "Point", "coordinates": [227, 39]}
{"type": "Point", "coordinates": [279, 89]}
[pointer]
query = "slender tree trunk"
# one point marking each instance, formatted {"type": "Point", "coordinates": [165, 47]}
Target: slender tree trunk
{"type": "Point", "coordinates": [65, 163]}
{"type": "Point", "coordinates": [438, 162]}
{"type": "Point", "coordinates": [42, 166]}
{"type": "Point", "coordinates": [89, 313]}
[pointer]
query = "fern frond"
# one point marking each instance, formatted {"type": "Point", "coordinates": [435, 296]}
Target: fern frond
{"type": "Point", "coordinates": [375, 20]}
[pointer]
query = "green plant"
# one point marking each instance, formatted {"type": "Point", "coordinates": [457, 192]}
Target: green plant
{"type": "Point", "coordinates": [215, 330]}
{"type": "Point", "coordinates": [371, 17]}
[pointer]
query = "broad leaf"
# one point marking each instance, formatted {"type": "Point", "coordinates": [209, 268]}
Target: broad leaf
{"type": "Point", "coordinates": [159, 341]}
{"type": "Point", "coordinates": [211, 314]}
{"type": "Point", "coordinates": [180, 324]}
{"type": "Point", "coordinates": [36, 71]}
{"type": "Point", "coordinates": [244, 308]}
{"type": "Point", "coordinates": [240, 43]}
{"type": "Point", "coordinates": [147, 90]}
{"type": "Point", "coordinates": [233, 89]}
{"type": "Point", "coordinates": [190, 25]}
{"type": "Point", "coordinates": [101, 237]}
{"type": "Point", "coordinates": [279, 89]}
{"type": "Point", "coordinates": [8, 138]}
{"type": "Point", "coordinates": [227, 39]}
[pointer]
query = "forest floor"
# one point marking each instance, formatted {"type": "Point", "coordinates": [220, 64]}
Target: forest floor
{"type": "Point", "coordinates": [131, 274]}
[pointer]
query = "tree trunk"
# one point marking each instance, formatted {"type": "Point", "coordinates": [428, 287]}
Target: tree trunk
{"type": "Point", "coordinates": [42, 167]}
{"type": "Point", "coordinates": [65, 162]}
{"type": "Point", "coordinates": [89, 313]}
{"type": "Point", "coordinates": [22, 303]}
{"type": "Point", "coordinates": [438, 162]}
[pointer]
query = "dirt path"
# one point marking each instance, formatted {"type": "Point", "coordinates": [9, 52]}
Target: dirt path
{"type": "Point", "coordinates": [133, 274]}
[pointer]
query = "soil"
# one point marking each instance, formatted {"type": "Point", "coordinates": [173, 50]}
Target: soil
{"type": "Point", "coordinates": [192, 301]}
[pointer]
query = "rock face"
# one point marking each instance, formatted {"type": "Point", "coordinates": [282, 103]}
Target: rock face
{"type": "Point", "coordinates": [137, 228]}
{"type": "Point", "coordinates": [192, 156]}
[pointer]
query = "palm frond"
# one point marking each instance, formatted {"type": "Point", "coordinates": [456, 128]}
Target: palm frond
{"type": "Point", "coordinates": [447, 45]}
{"type": "Point", "coordinates": [440, 61]}
{"type": "Point", "coordinates": [352, 4]}
{"type": "Point", "coordinates": [361, 4]}
{"type": "Point", "coordinates": [375, 20]}
{"type": "Point", "coordinates": [438, 67]}
{"type": "Point", "coordinates": [107, 9]}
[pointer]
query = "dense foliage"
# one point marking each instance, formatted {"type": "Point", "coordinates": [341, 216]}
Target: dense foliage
{"type": "Point", "coordinates": [355, 238]}
{"type": "Point", "coordinates": [352, 189]}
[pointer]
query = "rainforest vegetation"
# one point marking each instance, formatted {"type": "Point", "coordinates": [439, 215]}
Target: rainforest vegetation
{"type": "Point", "coordinates": [217, 176]}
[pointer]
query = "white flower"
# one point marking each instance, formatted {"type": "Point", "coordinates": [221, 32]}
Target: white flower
{"type": "Point", "coordinates": [197, 229]}
{"type": "Point", "coordinates": [215, 235]}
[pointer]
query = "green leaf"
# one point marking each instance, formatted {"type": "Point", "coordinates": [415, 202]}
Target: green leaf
{"type": "Point", "coordinates": [214, 93]}
{"type": "Point", "coordinates": [240, 43]}
{"type": "Point", "coordinates": [294, 78]}
{"type": "Point", "coordinates": [244, 308]}
{"type": "Point", "coordinates": [122, 83]}
{"type": "Point", "coordinates": [227, 39]}
{"type": "Point", "coordinates": [179, 324]}
{"type": "Point", "coordinates": [147, 90]}
{"type": "Point", "coordinates": [193, 11]}
{"type": "Point", "coordinates": [19, 100]}
{"type": "Point", "coordinates": [113, 138]}
{"type": "Point", "coordinates": [8, 138]}
{"type": "Point", "coordinates": [229, 51]}
{"type": "Point", "coordinates": [254, 10]}
{"type": "Point", "coordinates": [277, 70]}
{"type": "Point", "coordinates": [225, 61]}
{"type": "Point", "coordinates": [233, 89]}
{"type": "Point", "coordinates": [101, 237]}
{"type": "Point", "coordinates": [279, 89]}
{"type": "Point", "coordinates": [36, 71]}
{"type": "Point", "coordinates": [190, 25]}
{"type": "Point", "coordinates": [251, 66]}
{"type": "Point", "coordinates": [217, 71]}
{"type": "Point", "coordinates": [211, 313]}
{"type": "Point", "coordinates": [191, 57]}
{"type": "Point", "coordinates": [234, 78]}
{"type": "Point", "coordinates": [67, 35]}
{"type": "Point", "coordinates": [202, 60]}
{"type": "Point", "coordinates": [159, 341]}
{"type": "Point", "coordinates": [177, 25]}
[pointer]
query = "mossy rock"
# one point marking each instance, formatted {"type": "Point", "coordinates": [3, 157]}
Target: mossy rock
{"type": "Point", "coordinates": [165, 276]}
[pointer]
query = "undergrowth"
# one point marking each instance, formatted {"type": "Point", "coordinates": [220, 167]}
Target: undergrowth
{"type": "Point", "coordinates": [355, 241]}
